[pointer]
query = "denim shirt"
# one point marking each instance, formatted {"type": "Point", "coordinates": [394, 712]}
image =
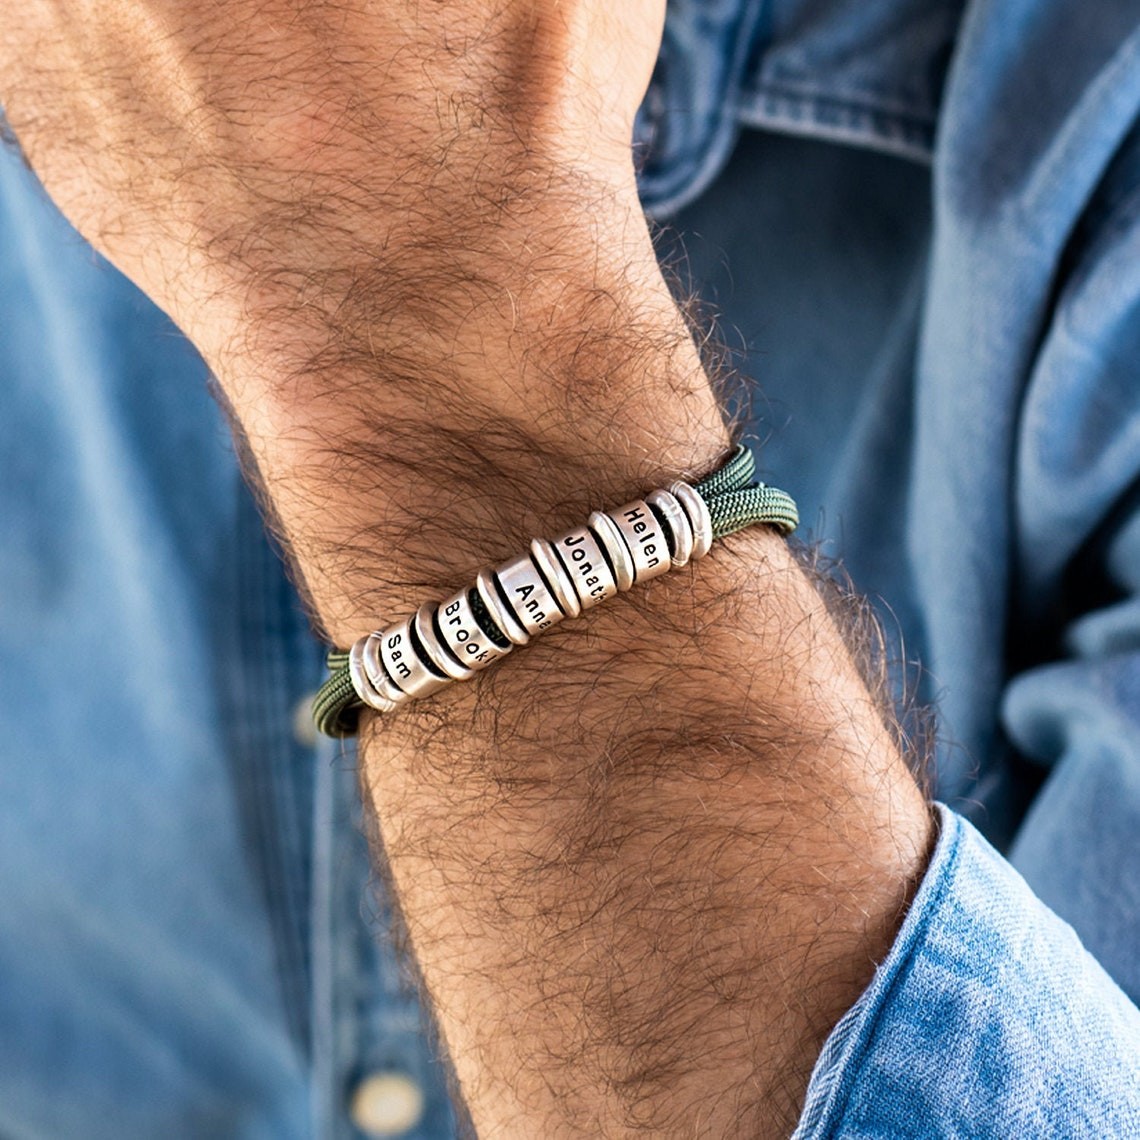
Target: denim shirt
{"type": "Point", "coordinates": [933, 216]}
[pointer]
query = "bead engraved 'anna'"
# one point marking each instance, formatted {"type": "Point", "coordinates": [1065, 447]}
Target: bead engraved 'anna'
{"type": "Point", "coordinates": [526, 593]}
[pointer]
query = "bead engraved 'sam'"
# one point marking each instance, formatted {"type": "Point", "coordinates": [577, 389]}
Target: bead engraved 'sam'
{"type": "Point", "coordinates": [645, 538]}
{"type": "Point", "coordinates": [463, 635]}
{"type": "Point", "coordinates": [587, 566]}
{"type": "Point", "coordinates": [404, 665]}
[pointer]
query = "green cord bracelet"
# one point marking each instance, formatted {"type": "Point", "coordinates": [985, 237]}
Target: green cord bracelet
{"type": "Point", "coordinates": [733, 500]}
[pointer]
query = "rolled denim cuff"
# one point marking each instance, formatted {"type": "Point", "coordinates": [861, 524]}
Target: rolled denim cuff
{"type": "Point", "coordinates": [988, 1018]}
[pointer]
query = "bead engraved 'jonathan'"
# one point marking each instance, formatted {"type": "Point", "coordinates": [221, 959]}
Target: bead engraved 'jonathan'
{"type": "Point", "coordinates": [645, 538]}
{"type": "Point", "coordinates": [587, 566]}
{"type": "Point", "coordinates": [529, 599]}
{"type": "Point", "coordinates": [404, 665]}
{"type": "Point", "coordinates": [463, 635]}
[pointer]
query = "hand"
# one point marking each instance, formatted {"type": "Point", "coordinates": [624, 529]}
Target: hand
{"type": "Point", "coordinates": [201, 144]}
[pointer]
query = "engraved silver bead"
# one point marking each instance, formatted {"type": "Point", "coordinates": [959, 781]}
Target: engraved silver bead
{"type": "Point", "coordinates": [526, 591]}
{"type": "Point", "coordinates": [607, 533]}
{"type": "Point", "coordinates": [393, 650]}
{"type": "Point", "coordinates": [560, 583]}
{"type": "Point", "coordinates": [376, 673]}
{"type": "Point", "coordinates": [677, 521]}
{"type": "Point", "coordinates": [361, 682]}
{"type": "Point", "coordinates": [501, 614]}
{"type": "Point", "coordinates": [438, 654]}
{"type": "Point", "coordinates": [463, 635]}
{"type": "Point", "coordinates": [587, 566]}
{"type": "Point", "coordinates": [645, 537]}
{"type": "Point", "coordinates": [698, 511]}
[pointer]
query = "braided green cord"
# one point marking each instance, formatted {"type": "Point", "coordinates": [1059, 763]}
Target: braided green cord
{"type": "Point", "coordinates": [734, 502]}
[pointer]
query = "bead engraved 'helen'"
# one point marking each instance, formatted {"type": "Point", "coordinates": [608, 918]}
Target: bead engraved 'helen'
{"type": "Point", "coordinates": [645, 538]}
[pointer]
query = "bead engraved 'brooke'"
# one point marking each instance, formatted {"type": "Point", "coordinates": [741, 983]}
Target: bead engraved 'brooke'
{"type": "Point", "coordinates": [437, 652]}
{"type": "Point", "coordinates": [463, 635]}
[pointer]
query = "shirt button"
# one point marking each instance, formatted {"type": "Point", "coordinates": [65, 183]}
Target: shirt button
{"type": "Point", "coordinates": [304, 728]}
{"type": "Point", "coordinates": [386, 1104]}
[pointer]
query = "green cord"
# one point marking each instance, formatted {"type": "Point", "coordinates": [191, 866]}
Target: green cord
{"type": "Point", "coordinates": [734, 500]}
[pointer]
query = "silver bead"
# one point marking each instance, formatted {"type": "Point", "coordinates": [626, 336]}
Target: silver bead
{"type": "Point", "coordinates": [365, 690]}
{"type": "Point", "coordinates": [464, 636]}
{"type": "Point", "coordinates": [530, 600]}
{"type": "Point", "coordinates": [501, 613]}
{"type": "Point", "coordinates": [376, 673]}
{"type": "Point", "coordinates": [437, 653]}
{"type": "Point", "coordinates": [587, 566]}
{"type": "Point", "coordinates": [698, 511]}
{"type": "Point", "coordinates": [645, 537]}
{"type": "Point", "coordinates": [678, 522]}
{"type": "Point", "coordinates": [394, 652]}
{"type": "Point", "coordinates": [607, 533]}
{"type": "Point", "coordinates": [559, 582]}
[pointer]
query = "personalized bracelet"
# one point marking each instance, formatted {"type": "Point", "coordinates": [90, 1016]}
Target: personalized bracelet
{"type": "Point", "coordinates": [508, 605]}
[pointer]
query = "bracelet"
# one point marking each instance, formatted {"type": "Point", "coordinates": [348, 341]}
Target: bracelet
{"type": "Point", "coordinates": [452, 640]}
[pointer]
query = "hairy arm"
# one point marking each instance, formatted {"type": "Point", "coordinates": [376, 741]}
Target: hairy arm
{"type": "Point", "coordinates": [648, 861]}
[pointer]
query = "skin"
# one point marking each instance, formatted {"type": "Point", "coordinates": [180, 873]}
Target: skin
{"type": "Point", "coordinates": [647, 862]}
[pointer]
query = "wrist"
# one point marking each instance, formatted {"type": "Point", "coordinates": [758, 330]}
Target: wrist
{"type": "Point", "coordinates": [478, 408]}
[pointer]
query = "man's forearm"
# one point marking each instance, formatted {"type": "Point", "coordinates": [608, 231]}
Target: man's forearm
{"type": "Point", "coordinates": [648, 861]}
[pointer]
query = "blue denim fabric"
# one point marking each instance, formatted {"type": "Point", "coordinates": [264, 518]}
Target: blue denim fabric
{"type": "Point", "coordinates": [933, 216]}
{"type": "Point", "coordinates": [953, 1037]}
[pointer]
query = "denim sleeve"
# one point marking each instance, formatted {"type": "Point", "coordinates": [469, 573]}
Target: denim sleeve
{"type": "Point", "coordinates": [987, 1019]}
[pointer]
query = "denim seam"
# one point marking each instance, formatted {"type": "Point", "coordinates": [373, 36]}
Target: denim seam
{"type": "Point", "coordinates": [834, 119]}
{"type": "Point", "coordinates": [844, 1050]}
